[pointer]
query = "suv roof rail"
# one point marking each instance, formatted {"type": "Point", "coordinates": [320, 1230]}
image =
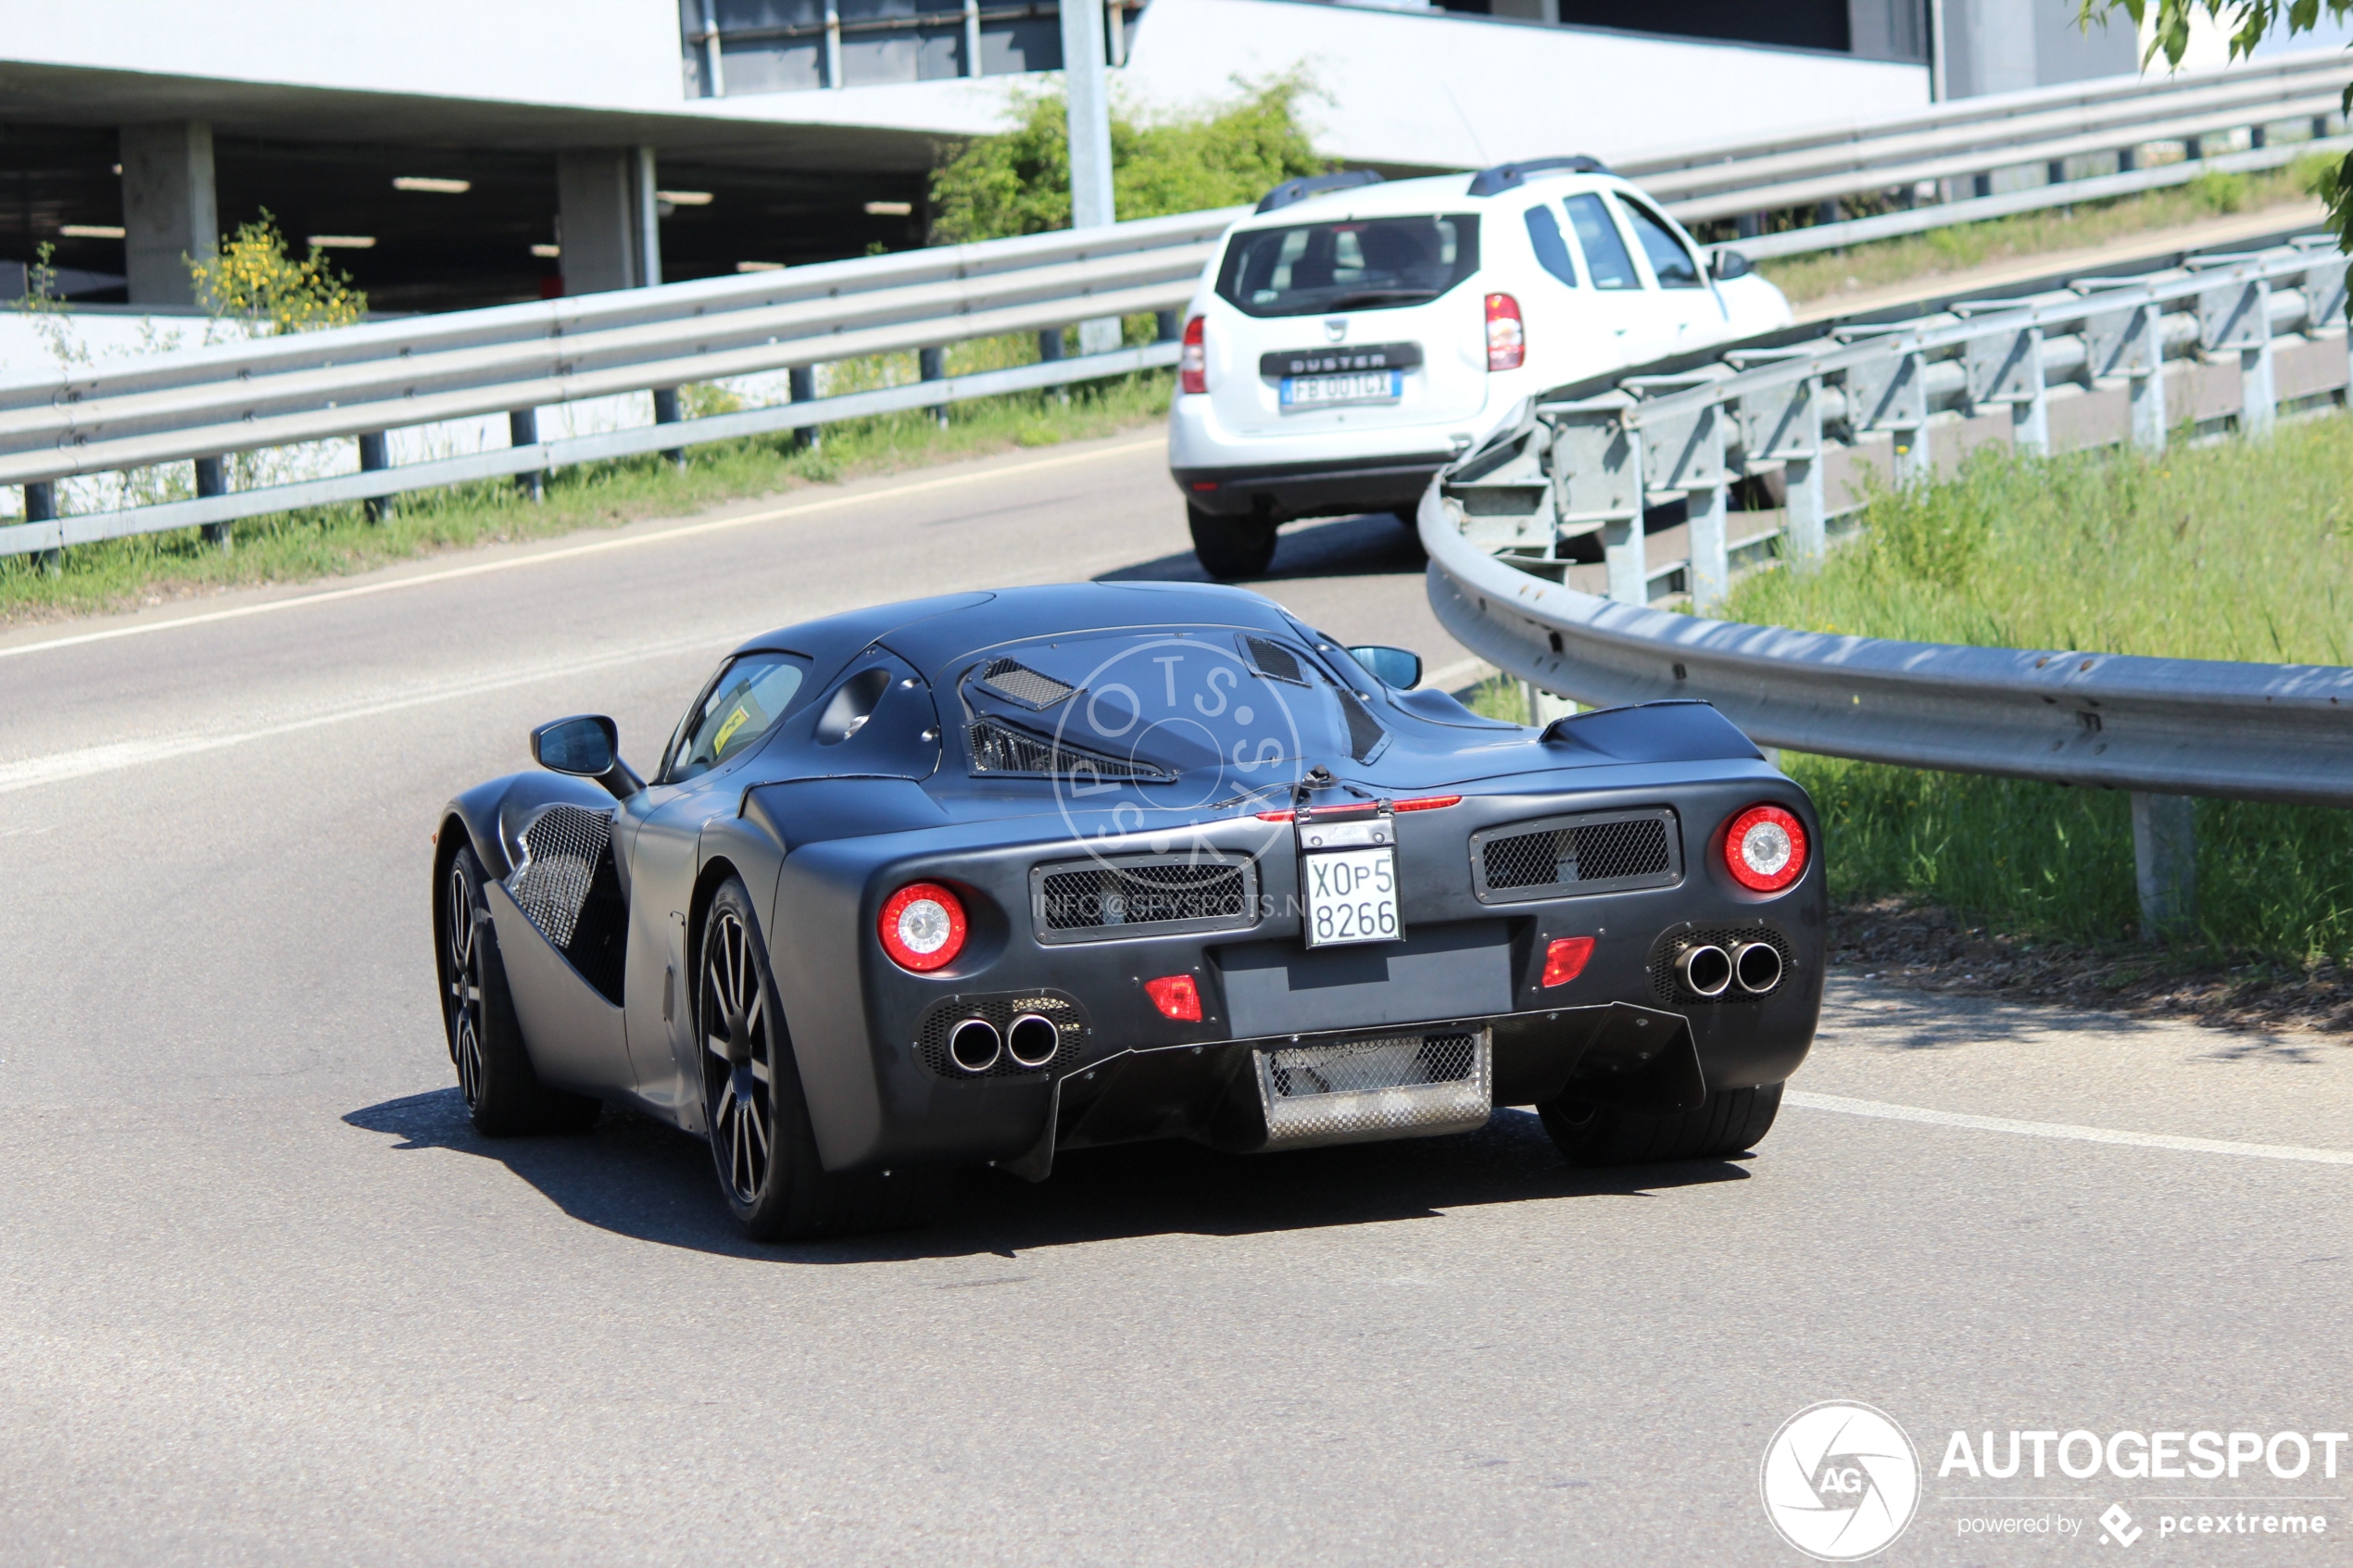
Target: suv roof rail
{"type": "Point", "coordinates": [1504, 176]}
{"type": "Point", "coordinates": [1307, 185]}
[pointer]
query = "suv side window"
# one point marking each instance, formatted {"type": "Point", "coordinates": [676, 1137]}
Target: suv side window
{"type": "Point", "coordinates": [741, 704]}
{"type": "Point", "coordinates": [1552, 250]}
{"type": "Point", "coordinates": [1605, 256]}
{"type": "Point", "coordinates": [1668, 259]}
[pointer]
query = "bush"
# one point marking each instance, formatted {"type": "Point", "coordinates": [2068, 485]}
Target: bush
{"type": "Point", "coordinates": [252, 281]}
{"type": "Point", "coordinates": [1018, 182]}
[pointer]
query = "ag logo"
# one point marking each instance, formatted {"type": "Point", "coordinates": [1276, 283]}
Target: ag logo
{"type": "Point", "coordinates": [1840, 1480]}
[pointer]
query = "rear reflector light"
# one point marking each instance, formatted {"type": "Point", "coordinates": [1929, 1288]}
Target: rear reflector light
{"type": "Point", "coordinates": [1421, 803]}
{"type": "Point", "coordinates": [1192, 358]}
{"type": "Point", "coordinates": [1764, 848]}
{"type": "Point", "coordinates": [1565, 960]}
{"type": "Point", "coordinates": [1176, 997]}
{"type": "Point", "coordinates": [1506, 337]}
{"type": "Point", "coordinates": [922, 927]}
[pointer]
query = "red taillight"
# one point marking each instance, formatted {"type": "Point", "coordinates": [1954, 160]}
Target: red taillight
{"type": "Point", "coordinates": [923, 927]}
{"type": "Point", "coordinates": [1764, 848]}
{"type": "Point", "coordinates": [1506, 338]}
{"type": "Point", "coordinates": [1192, 359]}
{"type": "Point", "coordinates": [1565, 960]}
{"type": "Point", "coordinates": [1176, 997]}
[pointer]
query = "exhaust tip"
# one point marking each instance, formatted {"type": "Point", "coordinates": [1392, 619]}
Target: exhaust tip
{"type": "Point", "coordinates": [1705, 970]}
{"type": "Point", "coordinates": [1757, 966]}
{"type": "Point", "coordinates": [973, 1045]}
{"type": "Point", "coordinates": [1032, 1040]}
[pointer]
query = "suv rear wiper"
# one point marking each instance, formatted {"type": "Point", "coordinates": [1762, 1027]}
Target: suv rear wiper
{"type": "Point", "coordinates": [1378, 297]}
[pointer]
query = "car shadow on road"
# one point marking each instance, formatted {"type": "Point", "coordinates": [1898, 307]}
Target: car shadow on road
{"type": "Point", "coordinates": [1372, 546]}
{"type": "Point", "coordinates": [636, 1178]}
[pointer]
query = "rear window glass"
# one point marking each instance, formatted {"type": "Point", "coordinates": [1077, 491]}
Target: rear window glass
{"type": "Point", "coordinates": [1365, 264]}
{"type": "Point", "coordinates": [1605, 255]}
{"type": "Point", "coordinates": [1669, 260]}
{"type": "Point", "coordinates": [1551, 251]}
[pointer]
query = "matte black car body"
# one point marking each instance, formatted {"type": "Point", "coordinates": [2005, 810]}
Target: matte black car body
{"type": "Point", "coordinates": [822, 828]}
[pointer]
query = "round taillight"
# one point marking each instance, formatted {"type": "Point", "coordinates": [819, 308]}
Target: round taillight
{"type": "Point", "coordinates": [1764, 848]}
{"type": "Point", "coordinates": [922, 926]}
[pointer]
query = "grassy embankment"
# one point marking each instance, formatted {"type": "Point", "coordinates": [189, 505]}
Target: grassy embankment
{"type": "Point", "coordinates": [327, 541]}
{"type": "Point", "coordinates": [2241, 550]}
{"type": "Point", "coordinates": [1964, 245]}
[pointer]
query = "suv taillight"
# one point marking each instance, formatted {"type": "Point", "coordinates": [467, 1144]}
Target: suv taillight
{"type": "Point", "coordinates": [1506, 338]}
{"type": "Point", "coordinates": [1192, 359]}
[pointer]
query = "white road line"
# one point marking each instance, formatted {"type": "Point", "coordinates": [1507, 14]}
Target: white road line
{"type": "Point", "coordinates": [60, 765]}
{"type": "Point", "coordinates": [478, 568]}
{"type": "Point", "coordinates": [2063, 1130]}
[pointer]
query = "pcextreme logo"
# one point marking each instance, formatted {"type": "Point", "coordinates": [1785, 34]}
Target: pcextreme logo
{"type": "Point", "coordinates": [1840, 1480]}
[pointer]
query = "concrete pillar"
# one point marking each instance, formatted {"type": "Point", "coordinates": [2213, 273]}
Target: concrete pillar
{"type": "Point", "coordinates": [1087, 86]}
{"type": "Point", "coordinates": [169, 212]}
{"type": "Point", "coordinates": [610, 232]}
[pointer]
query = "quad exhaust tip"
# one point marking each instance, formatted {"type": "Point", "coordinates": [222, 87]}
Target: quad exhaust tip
{"type": "Point", "coordinates": [1758, 966]}
{"type": "Point", "coordinates": [1705, 970]}
{"type": "Point", "coordinates": [973, 1045]}
{"type": "Point", "coordinates": [1032, 1040]}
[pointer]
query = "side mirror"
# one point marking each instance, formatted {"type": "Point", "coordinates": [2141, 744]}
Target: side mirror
{"type": "Point", "coordinates": [1392, 666]}
{"type": "Point", "coordinates": [1726, 265]}
{"type": "Point", "coordinates": [587, 746]}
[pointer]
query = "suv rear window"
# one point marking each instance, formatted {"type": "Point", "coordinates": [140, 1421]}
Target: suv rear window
{"type": "Point", "coordinates": [1363, 264]}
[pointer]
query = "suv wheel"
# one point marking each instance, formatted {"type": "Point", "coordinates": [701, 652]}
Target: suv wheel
{"type": "Point", "coordinates": [1231, 546]}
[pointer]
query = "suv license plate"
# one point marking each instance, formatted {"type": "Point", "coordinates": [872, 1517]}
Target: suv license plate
{"type": "Point", "coordinates": [1356, 386]}
{"type": "Point", "coordinates": [1351, 897]}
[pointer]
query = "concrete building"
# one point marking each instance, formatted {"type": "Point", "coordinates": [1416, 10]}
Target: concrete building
{"type": "Point", "coordinates": [450, 154]}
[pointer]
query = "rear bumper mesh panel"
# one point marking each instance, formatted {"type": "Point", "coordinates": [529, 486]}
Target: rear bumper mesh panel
{"type": "Point", "coordinates": [1388, 1087]}
{"type": "Point", "coordinates": [1146, 896]}
{"type": "Point", "coordinates": [1559, 857]}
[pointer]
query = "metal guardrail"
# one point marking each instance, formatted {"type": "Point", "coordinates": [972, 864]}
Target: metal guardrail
{"type": "Point", "coordinates": [364, 380]}
{"type": "Point", "coordinates": [1505, 525]}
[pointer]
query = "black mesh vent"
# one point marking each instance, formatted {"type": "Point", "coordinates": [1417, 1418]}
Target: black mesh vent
{"type": "Point", "coordinates": [1011, 678]}
{"type": "Point", "coordinates": [1668, 987]}
{"type": "Point", "coordinates": [1113, 897]}
{"type": "Point", "coordinates": [1274, 659]}
{"type": "Point", "coordinates": [1001, 748]}
{"type": "Point", "coordinates": [1576, 855]}
{"type": "Point", "coordinates": [931, 1035]}
{"type": "Point", "coordinates": [1360, 1066]}
{"type": "Point", "coordinates": [569, 888]}
{"type": "Point", "coordinates": [1365, 734]}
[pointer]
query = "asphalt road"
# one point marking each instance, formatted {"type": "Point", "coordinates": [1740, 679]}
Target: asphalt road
{"type": "Point", "coordinates": [265, 1299]}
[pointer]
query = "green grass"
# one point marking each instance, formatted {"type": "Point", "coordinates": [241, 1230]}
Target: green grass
{"type": "Point", "coordinates": [323, 541]}
{"type": "Point", "coordinates": [1964, 246]}
{"type": "Point", "coordinates": [2240, 551]}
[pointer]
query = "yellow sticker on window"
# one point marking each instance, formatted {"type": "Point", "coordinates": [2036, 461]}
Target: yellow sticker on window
{"type": "Point", "coordinates": [726, 731]}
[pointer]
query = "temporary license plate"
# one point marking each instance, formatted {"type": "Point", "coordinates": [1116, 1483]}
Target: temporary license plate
{"type": "Point", "coordinates": [1351, 895]}
{"type": "Point", "coordinates": [1354, 387]}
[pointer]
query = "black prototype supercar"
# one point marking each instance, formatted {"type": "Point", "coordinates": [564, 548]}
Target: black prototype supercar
{"type": "Point", "coordinates": [985, 877]}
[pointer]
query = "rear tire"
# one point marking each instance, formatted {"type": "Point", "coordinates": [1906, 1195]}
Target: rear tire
{"type": "Point", "coordinates": [495, 1074]}
{"type": "Point", "coordinates": [1231, 546]}
{"type": "Point", "coordinates": [762, 1146]}
{"type": "Point", "coordinates": [1732, 1120]}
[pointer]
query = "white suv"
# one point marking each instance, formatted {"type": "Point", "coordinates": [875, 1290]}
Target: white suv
{"type": "Point", "coordinates": [1353, 335]}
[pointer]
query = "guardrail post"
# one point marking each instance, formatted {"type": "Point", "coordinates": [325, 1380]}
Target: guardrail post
{"type": "Point", "coordinates": [210, 481]}
{"type": "Point", "coordinates": [41, 506]}
{"type": "Point", "coordinates": [803, 381]}
{"type": "Point", "coordinates": [375, 508]}
{"type": "Point", "coordinates": [2006, 366]}
{"type": "Point", "coordinates": [2236, 316]}
{"type": "Point", "coordinates": [522, 430]}
{"type": "Point", "coordinates": [1891, 394]}
{"type": "Point", "coordinates": [666, 413]}
{"type": "Point", "coordinates": [1167, 325]}
{"type": "Point", "coordinates": [1783, 424]}
{"type": "Point", "coordinates": [931, 364]}
{"type": "Point", "coordinates": [2129, 342]}
{"type": "Point", "coordinates": [1597, 479]}
{"type": "Point", "coordinates": [1050, 345]}
{"type": "Point", "coordinates": [2324, 311]}
{"type": "Point", "coordinates": [1685, 452]}
{"type": "Point", "coordinates": [2165, 865]}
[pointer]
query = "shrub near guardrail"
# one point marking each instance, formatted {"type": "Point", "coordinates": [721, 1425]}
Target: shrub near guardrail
{"type": "Point", "coordinates": [2238, 550]}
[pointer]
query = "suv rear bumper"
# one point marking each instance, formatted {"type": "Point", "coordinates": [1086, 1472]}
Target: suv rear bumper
{"type": "Point", "coordinates": [1333, 488]}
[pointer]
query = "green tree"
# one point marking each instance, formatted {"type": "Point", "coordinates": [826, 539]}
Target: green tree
{"type": "Point", "coordinates": [252, 281]}
{"type": "Point", "coordinates": [1018, 182]}
{"type": "Point", "coordinates": [2249, 22]}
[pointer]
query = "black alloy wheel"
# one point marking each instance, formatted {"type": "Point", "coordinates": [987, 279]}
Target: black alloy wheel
{"type": "Point", "coordinates": [462, 966]}
{"type": "Point", "coordinates": [486, 1041]}
{"type": "Point", "coordinates": [762, 1146]}
{"type": "Point", "coordinates": [1730, 1122]}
